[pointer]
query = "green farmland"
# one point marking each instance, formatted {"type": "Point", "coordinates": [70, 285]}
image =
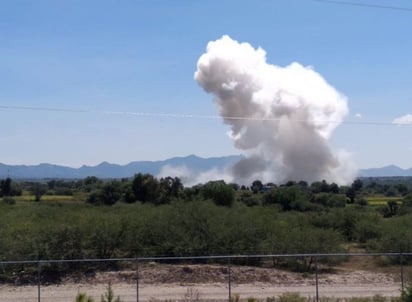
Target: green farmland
{"type": "Point", "coordinates": [382, 200]}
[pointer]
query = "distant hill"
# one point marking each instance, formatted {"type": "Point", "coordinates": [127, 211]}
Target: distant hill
{"type": "Point", "coordinates": [108, 170]}
{"type": "Point", "coordinates": [192, 162]}
{"type": "Point", "coordinates": [390, 170]}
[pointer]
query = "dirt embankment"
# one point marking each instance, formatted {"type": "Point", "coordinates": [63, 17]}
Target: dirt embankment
{"type": "Point", "coordinates": [209, 282]}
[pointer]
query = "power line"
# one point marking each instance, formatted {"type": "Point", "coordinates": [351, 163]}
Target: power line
{"type": "Point", "coordinates": [359, 4]}
{"type": "Point", "coordinates": [43, 109]}
{"type": "Point", "coordinates": [198, 116]}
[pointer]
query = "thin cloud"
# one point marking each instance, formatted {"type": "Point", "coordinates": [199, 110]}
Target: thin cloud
{"type": "Point", "coordinates": [403, 120]}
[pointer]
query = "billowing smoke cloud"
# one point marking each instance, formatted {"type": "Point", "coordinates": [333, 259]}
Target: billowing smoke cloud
{"type": "Point", "coordinates": [280, 117]}
{"type": "Point", "coordinates": [190, 177]}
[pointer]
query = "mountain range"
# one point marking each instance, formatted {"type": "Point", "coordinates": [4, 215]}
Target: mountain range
{"type": "Point", "coordinates": [389, 171]}
{"type": "Point", "coordinates": [192, 163]}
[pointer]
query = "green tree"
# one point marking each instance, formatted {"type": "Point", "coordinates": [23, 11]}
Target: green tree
{"type": "Point", "coordinates": [218, 191]}
{"type": "Point", "coordinates": [334, 188]}
{"type": "Point", "coordinates": [330, 200]}
{"type": "Point", "coordinates": [5, 187]}
{"type": "Point", "coordinates": [146, 188]}
{"type": "Point", "coordinates": [38, 190]}
{"type": "Point", "coordinates": [289, 198]}
{"type": "Point", "coordinates": [128, 194]}
{"type": "Point", "coordinates": [357, 185]}
{"type": "Point", "coordinates": [324, 187]}
{"type": "Point", "coordinates": [392, 208]}
{"type": "Point", "coordinates": [316, 187]}
{"type": "Point", "coordinates": [406, 205]}
{"type": "Point", "coordinates": [351, 194]}
{"type": "Point", "coordinates": [89, 184]}
{"type": "Point", "coordinates": [169, 188]}
{"type": "Point", "coordinates": [108, 194]}
{"type": "Point", "coordinates": [249, 199]}
{"type": "Point", "coordinates": [402, 189]}
{"type": "Point", "coordinates": [257, 186]}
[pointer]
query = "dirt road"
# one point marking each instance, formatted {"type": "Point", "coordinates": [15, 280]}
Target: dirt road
{"type": "Point", "coordinates": [208, 282]}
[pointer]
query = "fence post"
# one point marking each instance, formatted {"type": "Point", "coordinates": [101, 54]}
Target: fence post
{"type": "Point", "coordinates": [316, 279]}
{"type": "Point", "coordinates": [229, 279]}
{"type": "Point", "coordinates": [402, 280]}
{"type": "Point", "coordinates": [38, 280]}
{"type": "Point", "coordinates": [137, 279]}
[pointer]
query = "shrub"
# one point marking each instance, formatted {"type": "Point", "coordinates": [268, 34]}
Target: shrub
{"type": "Point", "coordinates": [290, 198]}
{"type": "Point", "coordinates": [249, 199]}
{"type": "Point", "coordinates": [191, 295]}
{"type": "Point", "coordinates": [330, 200]}
{"type": "Point", "coordinates": [291, 297]}
{"type": "Point", "coordinates": [9, 200]}
{"type": "Point", "coordinates": [82, 297]}
{"type": "Point", "coordinates": [218, 191]}
{"type": "Point", "coordinates": [406, 294]}
{"type": "Point", "coordinates": [108, 194]}
{"type": "Point", "coordinates": [109, 295]}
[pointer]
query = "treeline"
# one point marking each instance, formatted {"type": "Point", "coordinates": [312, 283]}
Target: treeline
{"type": "Point", "coordinates": [146, 188]}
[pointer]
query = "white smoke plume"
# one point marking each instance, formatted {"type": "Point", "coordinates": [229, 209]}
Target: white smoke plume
{"type": "Point", "coordinates": [190, 177]}
{"type": "Point", "coordinates": [280, 117]}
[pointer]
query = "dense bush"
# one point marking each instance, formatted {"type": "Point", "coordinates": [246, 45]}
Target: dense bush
{"type": "Point", "coordinates": [218, 191]}
{"type": "Point", "coordinates": [146, 216]}
{"type": "Point", "coordinates": [51, 231]}
{"type": "Point", "coordinates": [396, 235]}
{"type": "Point", "coordinates": [290, 198]}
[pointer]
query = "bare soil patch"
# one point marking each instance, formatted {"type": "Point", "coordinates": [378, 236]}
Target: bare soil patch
{"type": "Point", "coordinates": [173, 282]}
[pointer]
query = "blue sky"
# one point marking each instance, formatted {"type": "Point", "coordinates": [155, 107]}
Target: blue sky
{"type": "Point", "coordinates": [140, 56]}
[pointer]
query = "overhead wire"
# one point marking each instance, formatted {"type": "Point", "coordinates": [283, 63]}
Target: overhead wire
{"type": "Point", "coordinates": [197, 116]}
{"type": "Point", "coordinates": [367, 5]}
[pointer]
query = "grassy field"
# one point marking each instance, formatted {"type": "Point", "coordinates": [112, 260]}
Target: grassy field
{"type": "Point", "coordinates": [27, 197]}
{"type": "Point", "coordinates": [381, 200]}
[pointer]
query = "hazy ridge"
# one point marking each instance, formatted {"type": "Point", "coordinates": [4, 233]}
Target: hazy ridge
{"type": "Point", "coordinates": [191, 162]}
{"type": "Point", "coordinates": [109, 170]}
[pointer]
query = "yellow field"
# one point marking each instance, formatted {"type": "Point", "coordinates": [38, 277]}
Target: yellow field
{"type": "Point", "coordinates": [45, 198]}
{"type": "Point", "coordinates": [49, 198]}
{"type": "Point", "coordinates": [381, 200]}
